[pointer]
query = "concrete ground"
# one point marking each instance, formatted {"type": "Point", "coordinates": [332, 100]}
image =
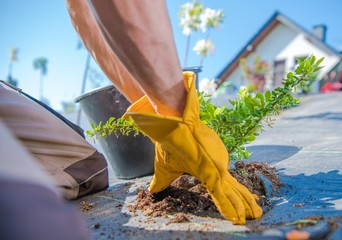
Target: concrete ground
{"type": "Point", "coordinates": [305, 146]}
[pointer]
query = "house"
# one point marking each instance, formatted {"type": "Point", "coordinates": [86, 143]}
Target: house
{"type": "Point", "coordinates": [278, 43]}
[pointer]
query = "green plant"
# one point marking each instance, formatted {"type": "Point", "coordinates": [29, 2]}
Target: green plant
{"type": "Point", "coordinates": [244, 120]}
{"type": "Point", "coordinates": [117, 126]}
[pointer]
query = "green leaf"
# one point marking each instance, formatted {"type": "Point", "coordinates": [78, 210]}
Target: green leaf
{"type": "Point", "coordinates": [89, 132]}
{"type": "Point", "coordinates": [319, 61]}
{"type": "Point", "coordinates": [318, 68]}
{"type": "Point", "coordinates": [110, 120]}
{"type": "Point", "coordinates": [261, 97]}
{"type": "Point", "coordinates": [300, 60]}
{"type": "Point", "coordinates": [217, 111]}
{"type": "Point", "coordinates": [268, 95]}
{"type": "Point", "coordinates": [257, 101]}
{"type": "Point", "coordinates": [250, 138]}
{"type": "Point", "coordinates": [299, 70]}
{"type": "Point", "coordinates": [290, 75]}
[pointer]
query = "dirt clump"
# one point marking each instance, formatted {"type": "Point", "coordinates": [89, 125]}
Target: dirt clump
{"type": "Point", "coordinates": [187, 195]}
{"type": "Point", "coordinates": [179, 218]}
{"type": "Point", "coordinates": [251, 175]}
{"type": "Point", "coordinates": [85, 207]}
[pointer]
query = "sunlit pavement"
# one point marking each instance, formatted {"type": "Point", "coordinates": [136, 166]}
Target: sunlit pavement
{"type": "Point", "coordinates": [305, 146]}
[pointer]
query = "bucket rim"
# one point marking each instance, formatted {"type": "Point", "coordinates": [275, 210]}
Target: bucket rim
{"type": "Point", "coordinates": [93, 91]}
{"type": "Point", "coordinates": [195, 69]}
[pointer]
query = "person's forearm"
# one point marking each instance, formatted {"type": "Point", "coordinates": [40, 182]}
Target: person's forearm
{"type": "Point", "coordinates": [85, 24]}
{"type": "Point", "coordinates": [140, 33]}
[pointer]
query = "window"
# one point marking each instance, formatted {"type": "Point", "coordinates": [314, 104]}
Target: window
{"type": "Point", "coordinates": [278, 72]}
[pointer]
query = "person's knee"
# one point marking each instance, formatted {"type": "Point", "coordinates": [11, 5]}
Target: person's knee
{"type": "Point", "coordinates": [32, 211]}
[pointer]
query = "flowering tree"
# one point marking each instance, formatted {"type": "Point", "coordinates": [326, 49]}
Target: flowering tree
{"type": "Point", "coordinates": [210, 19]}
{"type": "Point", "coordinates": [190, 21]}
{"type": "Point", "coordinates": [194, 17]}
{"type": "Point", "coordinates": [256, 74]}
{"type": "Point", "coordinates": [204, 47]}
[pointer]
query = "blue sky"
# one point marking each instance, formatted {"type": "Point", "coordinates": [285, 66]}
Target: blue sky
{"type": "Point", "coordinates": [43, 28]}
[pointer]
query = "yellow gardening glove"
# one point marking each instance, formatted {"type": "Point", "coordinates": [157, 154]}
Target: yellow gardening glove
{"type": "Point", "coordinates": [186, 145]}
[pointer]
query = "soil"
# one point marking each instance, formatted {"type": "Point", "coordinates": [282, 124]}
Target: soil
{"type": "Point", "coordinates": [179, 218]}
{"type": "Point", "coordinates": [251, 174]}
{"type": "Point", "coordinates": [187, 195]}
{"type": "Point", "coordinates": [85, 207]}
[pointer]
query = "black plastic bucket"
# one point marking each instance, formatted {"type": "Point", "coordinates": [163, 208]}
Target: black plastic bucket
{"type": "Point", "coordinates": [129, 156]}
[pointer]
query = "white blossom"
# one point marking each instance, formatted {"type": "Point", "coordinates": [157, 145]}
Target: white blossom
{"type": "Point", "coordinates": [186, 31]}
{"type": "Point", "coordinates": [190, 17]}
{"type": "Point", "coordinates": [187, 7]}
{"type": "Point", "coordinates": [204, 47]}
{"type": "Point", "coordinates": [207, 86]}
{"type": "Point", "coordinates": [210, 18]}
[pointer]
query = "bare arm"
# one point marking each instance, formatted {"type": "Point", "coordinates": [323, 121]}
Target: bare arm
{"type": "Point", "coordinates": [140, 34]}
{"type": "Point", "coordinates": [86, 26]}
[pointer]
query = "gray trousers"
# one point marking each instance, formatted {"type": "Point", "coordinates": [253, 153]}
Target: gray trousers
{"type": "Point", "coordinates": [31, 207]}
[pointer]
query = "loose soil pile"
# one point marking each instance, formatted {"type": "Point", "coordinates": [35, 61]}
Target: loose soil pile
{"type": "Point", "coordinates": [251, 174]}
{"type": "Point", "coordinates": [188, 195]}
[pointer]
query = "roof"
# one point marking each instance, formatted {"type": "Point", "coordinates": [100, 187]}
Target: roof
{"type": "Point", "coordinates": [276, 19]}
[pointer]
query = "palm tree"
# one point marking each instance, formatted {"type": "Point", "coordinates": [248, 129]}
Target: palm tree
{"type": "Point", "coordinates": [41, 64]}
{"type": "Point", "coordinates": [85, 77]}
{"type": "Point", "coordinates": [13, 58]}
{"type": "Point", "coordinates": [89, 74]}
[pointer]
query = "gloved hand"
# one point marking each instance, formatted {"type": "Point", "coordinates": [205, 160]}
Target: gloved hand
{"type": "Point", "coordinates": [186, 145]}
